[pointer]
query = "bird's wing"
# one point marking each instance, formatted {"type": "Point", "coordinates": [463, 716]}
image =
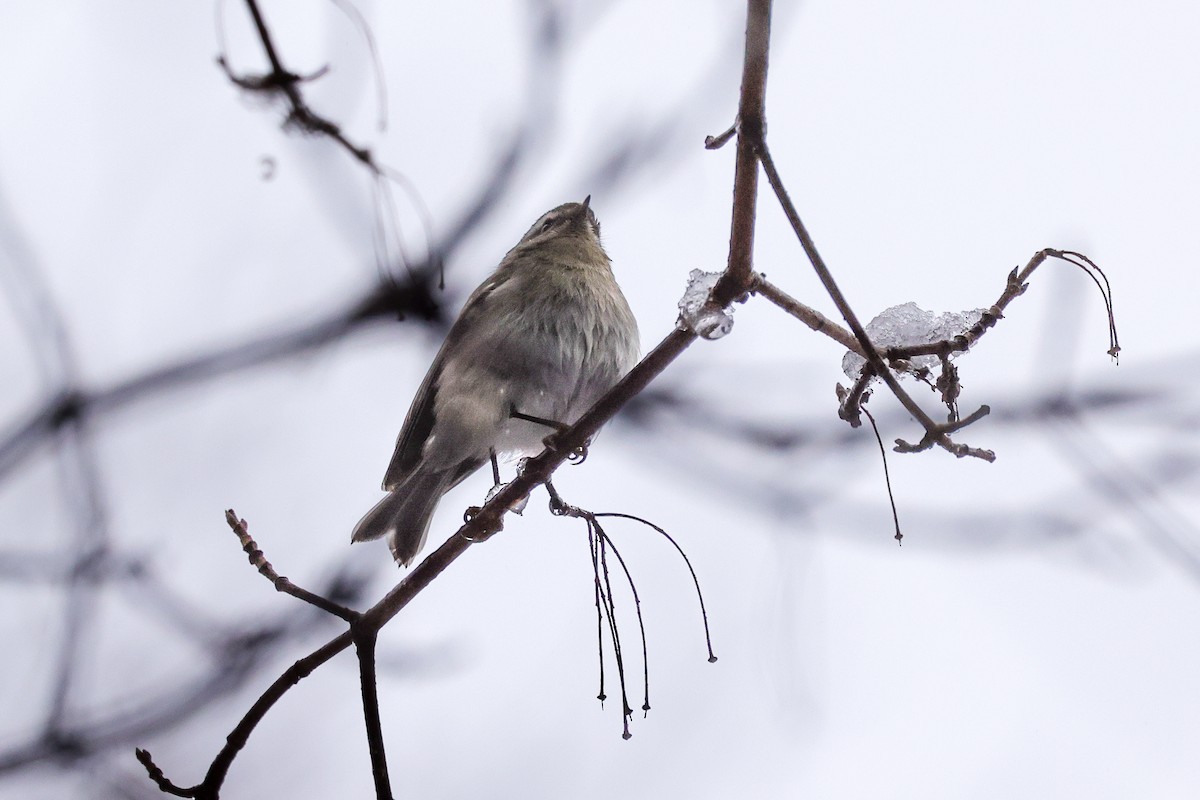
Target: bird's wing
{"type": "Point", "coordinates": [418, 424]}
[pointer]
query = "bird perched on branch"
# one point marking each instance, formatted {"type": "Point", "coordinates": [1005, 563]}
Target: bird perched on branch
{"type": "Point", "coordinates": [534, 347]}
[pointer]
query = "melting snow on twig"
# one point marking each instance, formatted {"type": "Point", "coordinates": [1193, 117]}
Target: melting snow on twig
{"type": "Point", "coordinates": [907, 325]}
{"type": "Point", "coordinates": [697, 314]}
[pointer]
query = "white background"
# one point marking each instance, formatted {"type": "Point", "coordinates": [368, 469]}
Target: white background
{"type": "Point", "coordinates": [1033, 637]}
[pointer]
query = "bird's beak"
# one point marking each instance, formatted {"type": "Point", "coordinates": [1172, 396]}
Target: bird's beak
{"type": "Point", "coordinates": [582, 219]}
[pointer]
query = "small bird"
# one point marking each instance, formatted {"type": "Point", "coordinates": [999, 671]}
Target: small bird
{"type": "Point", "coordinates": [543, 337]}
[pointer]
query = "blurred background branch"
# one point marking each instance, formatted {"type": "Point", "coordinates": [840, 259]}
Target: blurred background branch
{"type": "Point", "coordinates": [179, 334]}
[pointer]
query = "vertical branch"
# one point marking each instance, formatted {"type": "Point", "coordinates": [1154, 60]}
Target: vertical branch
{"type": "Point", "coordinates": [364, 643]}
{"type": "Point", "coordinates": [750, 127]}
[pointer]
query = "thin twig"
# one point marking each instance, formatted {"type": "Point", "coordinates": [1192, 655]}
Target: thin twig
{"type": "Point", "coordinates": [283, 80]}
{"type": "Point", "coordinates": [614, 634]}
{"type": "Point", "coordinates": [259, 561]}
{"type": "Point", "coordinates": [835, 293]}
{"type": "Point", "coordinates": [360, 22]}
{"type": "Point", "coordinates": [935, 433]}
{"type": "Point", "coordinates": [593, 543]}
{"type": "Point", "coordinates": [1091, 268]}
{"type": "Point", "coordinates": [695, 580]}
{"type": "Point", "coordinates": [887, 477]}
{"type": "Point", "coordinates": [809, 316]}
{"type": "Point", "coordinates": [940, 436]}
{"type": "Point", "coordinates": [721, 139]}
{"type": "Point", "coordinates": [637, 602]}
{"type": "Point", "coordinates": [599, 541]}
{"type": "Point", "coordinates": [160, 780]}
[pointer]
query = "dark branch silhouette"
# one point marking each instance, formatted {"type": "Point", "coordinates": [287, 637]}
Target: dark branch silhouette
{"type": "Point", "coordinates": [64, 422]}
{"type": "Point", "coordinates": [736, 283]}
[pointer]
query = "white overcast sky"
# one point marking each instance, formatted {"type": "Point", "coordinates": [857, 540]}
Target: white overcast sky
{"type": "Point", "coordinates": [930, 147]}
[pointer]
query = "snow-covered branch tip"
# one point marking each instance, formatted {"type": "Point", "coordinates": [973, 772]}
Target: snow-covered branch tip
{"type": "Point", "coordinates": [922, 344]}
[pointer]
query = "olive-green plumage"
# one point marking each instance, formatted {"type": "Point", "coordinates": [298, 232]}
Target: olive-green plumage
{"type": "Point", "coordinates": [546, 334]}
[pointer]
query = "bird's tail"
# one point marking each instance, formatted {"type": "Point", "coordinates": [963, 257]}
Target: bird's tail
{"type": "Point", "coordinates": [404, 514]}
